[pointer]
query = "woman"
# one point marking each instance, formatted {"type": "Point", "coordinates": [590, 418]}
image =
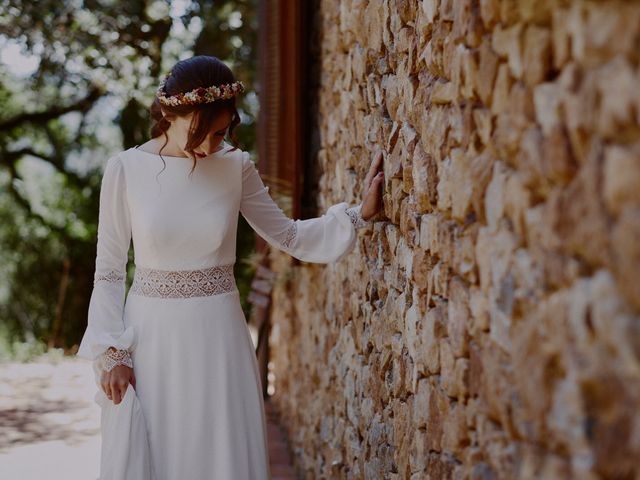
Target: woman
{"type": "Point", "coordinates": [180, 389]}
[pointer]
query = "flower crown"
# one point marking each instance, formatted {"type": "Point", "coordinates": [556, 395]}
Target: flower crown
{"type": "Point", "coordinates": [200, 94]}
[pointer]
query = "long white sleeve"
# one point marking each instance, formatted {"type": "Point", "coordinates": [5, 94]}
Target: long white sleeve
{"type": "Point", "coordinates": [323, 239]}
{"type": "Point", "coordinates": [105, 325]}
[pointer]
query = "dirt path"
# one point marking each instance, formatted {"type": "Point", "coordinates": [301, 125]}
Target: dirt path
{"type": "Point", "coordinates": [49, 421]}
{"type": "Point", "coordinates": [50, 424]}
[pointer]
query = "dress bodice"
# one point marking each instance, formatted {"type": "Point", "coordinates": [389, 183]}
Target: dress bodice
{"type": "Point", "coordinates": [180, 220]}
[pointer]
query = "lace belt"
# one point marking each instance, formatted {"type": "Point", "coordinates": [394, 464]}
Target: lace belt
{"type": "Point", "coordinates": [203, 282]}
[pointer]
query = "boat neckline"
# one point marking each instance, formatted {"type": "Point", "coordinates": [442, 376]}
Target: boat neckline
{"type": "Point", "coordinates": [226, 146]}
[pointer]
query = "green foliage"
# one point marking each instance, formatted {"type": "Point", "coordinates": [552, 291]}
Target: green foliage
{"type": "Point", "coordinates": [96, 68]}
{"type": "Point", "coordinates": [13, 350]}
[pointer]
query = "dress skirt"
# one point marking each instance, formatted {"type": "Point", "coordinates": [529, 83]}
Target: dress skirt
{"type": "Point", "coordinates": [198, 384]}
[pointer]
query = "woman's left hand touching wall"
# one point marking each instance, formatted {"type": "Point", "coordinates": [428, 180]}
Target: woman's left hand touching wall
{"type": "Point", "coordinates": [373, 182]}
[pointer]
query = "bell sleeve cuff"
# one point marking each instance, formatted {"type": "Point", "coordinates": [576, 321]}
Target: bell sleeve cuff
{"type": "Point", "coordinates": [323, 239]}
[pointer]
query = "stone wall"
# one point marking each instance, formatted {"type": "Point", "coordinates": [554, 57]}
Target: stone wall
{"type": "Point", "coordinates": [487, 326]}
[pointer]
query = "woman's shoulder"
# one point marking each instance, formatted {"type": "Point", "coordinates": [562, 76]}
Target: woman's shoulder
{"type": "Point", "coordinates": [115, 161]}
{"type": "Point", "coordinates": [235, 155]}
{"type": "Point", "coordinates": [228, 149]}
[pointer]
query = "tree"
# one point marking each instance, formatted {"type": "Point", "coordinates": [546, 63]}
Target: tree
{"type": "Point", "coordinates": [98, 64]}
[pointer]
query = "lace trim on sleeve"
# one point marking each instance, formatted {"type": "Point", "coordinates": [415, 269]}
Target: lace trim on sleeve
{"type": "Point", "coordinates": [109, 276]}
{"type": "Point", "coordinates": [290, 234]}
{"type": "Point", "coordinates": [356, 217]}
{"type": "Point", "coordinates": [111, 358]}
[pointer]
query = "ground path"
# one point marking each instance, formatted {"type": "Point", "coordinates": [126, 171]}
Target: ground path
{"type": "Point", "coordinates": [49, 423]}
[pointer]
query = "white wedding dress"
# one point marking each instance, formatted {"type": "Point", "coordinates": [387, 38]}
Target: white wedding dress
{"type": "Point", "coordinates": [197, 410]}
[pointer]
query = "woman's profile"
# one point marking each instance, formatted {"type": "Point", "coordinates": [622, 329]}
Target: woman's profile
{"type": "Point", "coordinates": [179, 384]}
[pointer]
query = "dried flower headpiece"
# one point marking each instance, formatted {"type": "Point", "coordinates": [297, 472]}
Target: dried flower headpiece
{"type": "Point", "coordinates": [200, 94]}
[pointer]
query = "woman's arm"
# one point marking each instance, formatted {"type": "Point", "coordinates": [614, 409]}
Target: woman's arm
{"type": "Point", "coordinates": [322, 239]}
{"type": "Point", "coordinates": [106, 341]}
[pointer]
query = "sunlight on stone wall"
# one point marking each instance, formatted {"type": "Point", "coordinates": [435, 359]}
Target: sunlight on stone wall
{"type": "Point", "coordinates": [489, 327]}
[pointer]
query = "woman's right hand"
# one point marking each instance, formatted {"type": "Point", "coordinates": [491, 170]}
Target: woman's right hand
{"type": "Point", "coordinates": [373, 181]}
{"type": "Point", "coordinates": [115, 382]}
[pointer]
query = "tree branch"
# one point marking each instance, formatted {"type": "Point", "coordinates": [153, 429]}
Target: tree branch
{"type": "Point", "coordinates": [27, 205]}
{"type": "Point", "coordinates": [9, 159]}
{"type": "Point", "coordinates": [82, 105]}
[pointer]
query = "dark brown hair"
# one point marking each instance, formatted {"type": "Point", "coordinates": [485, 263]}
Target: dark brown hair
{"type": "Point", "coordinates": [186, 75]}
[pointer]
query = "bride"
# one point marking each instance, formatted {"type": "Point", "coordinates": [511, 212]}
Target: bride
{"type": "Point", "coordinates": [179, 386]}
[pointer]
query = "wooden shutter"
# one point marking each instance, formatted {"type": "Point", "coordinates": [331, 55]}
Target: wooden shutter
{"type": "Point", "coordinates": [281, 136]}
{"type": "Point", "coordinates": [281, 123]}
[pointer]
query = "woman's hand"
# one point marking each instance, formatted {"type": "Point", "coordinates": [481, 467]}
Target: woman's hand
{"type": "Point", "coordinates": [372, 198]}
{"type": "Point", "coordinates": [115, 382]}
